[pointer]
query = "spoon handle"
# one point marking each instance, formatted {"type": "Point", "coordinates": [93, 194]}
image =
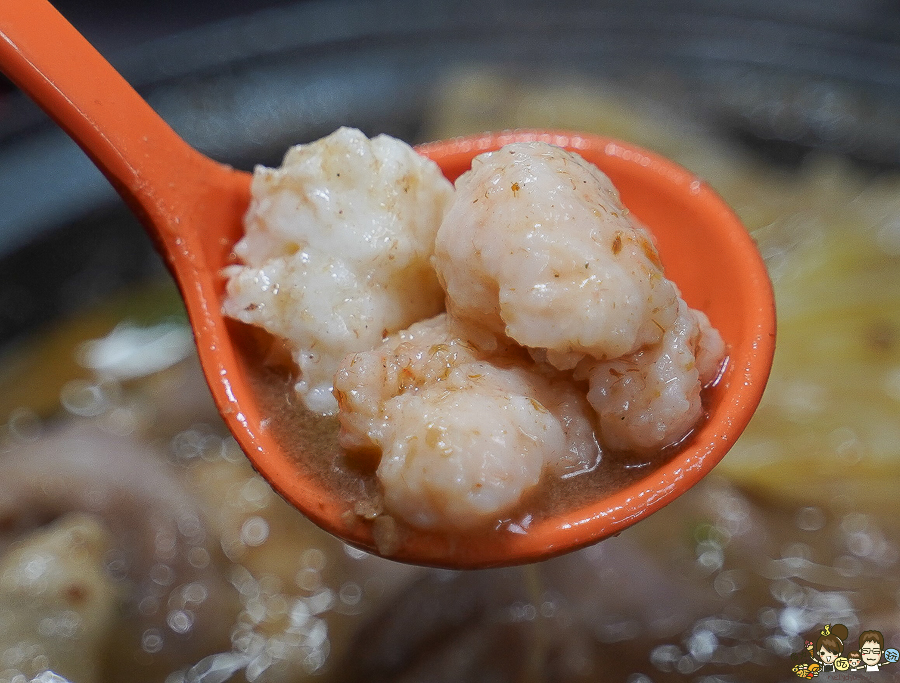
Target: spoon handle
{"type": "Point", "coordinates": [158, 174]}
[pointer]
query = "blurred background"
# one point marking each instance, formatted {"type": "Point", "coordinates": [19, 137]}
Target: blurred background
{"type": "Point", "coordinates": [242, 80]}
{"type": "Point", "coordinates": [791, 109]}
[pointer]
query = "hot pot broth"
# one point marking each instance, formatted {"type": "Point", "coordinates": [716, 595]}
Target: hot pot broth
{"type": "Point", "coordinates": [187, 562]}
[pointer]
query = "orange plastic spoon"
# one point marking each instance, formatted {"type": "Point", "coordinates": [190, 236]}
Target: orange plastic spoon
{"type": "Point", "coordinates": [193, 206]}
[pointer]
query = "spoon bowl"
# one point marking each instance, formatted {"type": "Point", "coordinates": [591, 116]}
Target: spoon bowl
{"type": "Point", "coordinates": [193, 206]}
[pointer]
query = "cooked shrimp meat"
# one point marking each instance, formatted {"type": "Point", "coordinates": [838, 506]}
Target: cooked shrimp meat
{"type": "Point", "coordinates": [462, 436]}
{"type": "Point", "coordinates": [561, 341]}
{"type": "Point", "coordinates": [335, 253]}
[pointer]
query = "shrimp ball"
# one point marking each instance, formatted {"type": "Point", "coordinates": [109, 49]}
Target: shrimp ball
{"type": "Point", "coordinates": [538, 247]}
{"type": "Point", "coordinates": [471, 456]}
{"type": "Point", "coordinates": [461, 436]}
{"type": "Point", "coordinates": [336, 251]}
{"type": "Point", "coordinates": [651, 399]}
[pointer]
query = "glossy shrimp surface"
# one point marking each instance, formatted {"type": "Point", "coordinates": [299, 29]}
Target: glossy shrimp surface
{"type": "Point", "coordinates": [462, 436]}
{"type": "Point", "coordinates": [538, 247]}
{"type": "Point", "coordinates": [336, 251]}
{"type": "Point", "coordinates": [651, 399]}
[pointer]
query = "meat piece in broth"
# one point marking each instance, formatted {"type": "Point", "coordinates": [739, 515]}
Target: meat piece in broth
{"type": "Point", "coordinates": [462, 436]}
{"type": "Point", "coordinates": [336, 251]}
{"type": "Point", "coordinates": [538, 248]}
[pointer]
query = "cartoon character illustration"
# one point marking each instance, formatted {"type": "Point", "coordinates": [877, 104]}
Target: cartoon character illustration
{"type": "Point", "coordinates": [871, 646]}
{"type": "Point", "coordinates": [830, 646]}
{"type": "Point", "coordinates": [827, 653]}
